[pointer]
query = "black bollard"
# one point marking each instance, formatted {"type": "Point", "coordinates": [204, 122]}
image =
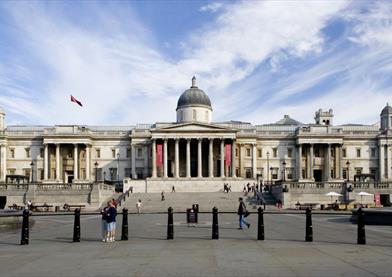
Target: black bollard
{"type": "Point", "coordinates": [124, 229]}
{"type": "Point", "coordinates": [76, 231]}
{"type": "Point", "coordinates": [361, 226]}
{"type": "Point", "coordinates": [309, 227]}
{"type": "Point", "coordinates": [170, 228]}
{"type": "Point", "coordinates": [260, 229]}
{"type": "Point", "coordinates": [25, 228]}
{"type": "Point", "coordinates": [215, 226]}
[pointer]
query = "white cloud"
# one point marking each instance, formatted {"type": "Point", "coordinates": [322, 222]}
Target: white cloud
{"type": "Point", "coordinates": [212, 7]}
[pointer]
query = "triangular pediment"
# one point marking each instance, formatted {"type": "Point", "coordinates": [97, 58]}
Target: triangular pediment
{"type": "Point", "coordinates": [192, 127]}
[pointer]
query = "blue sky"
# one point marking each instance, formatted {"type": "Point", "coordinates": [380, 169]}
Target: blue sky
{"type": "Point", "coordinates": [128, 62]}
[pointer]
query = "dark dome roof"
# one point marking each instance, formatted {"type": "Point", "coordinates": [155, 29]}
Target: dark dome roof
{"type": "Point", "coordinates": [387, 110]}
{"type": "Point", "coordinates": [194, 97]}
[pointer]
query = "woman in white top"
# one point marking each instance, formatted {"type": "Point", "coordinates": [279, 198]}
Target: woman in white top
{"type": "Point", "coordinates": [139, 206]}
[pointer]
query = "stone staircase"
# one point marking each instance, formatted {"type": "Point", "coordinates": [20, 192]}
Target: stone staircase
{"type": "Point", "coordinates": [180, 201]}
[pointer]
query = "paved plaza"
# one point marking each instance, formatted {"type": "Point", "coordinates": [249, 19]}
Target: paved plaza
{"type": "Point", "coordinates": [193, 253]}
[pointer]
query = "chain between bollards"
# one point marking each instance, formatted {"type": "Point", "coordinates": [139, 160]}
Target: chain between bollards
{"type": "Point", "coordinates": [361, 226]}
{"type": "Point", "coordinates": [215, 226]}
{"type": "Point", "coordinates": [260, 229]}
{"type": "Point", "coordinates": [170, 228]}
{"type": "Point", "coordinates": [309, 226]}
{"type": "Point", "coordinates": [124, 229]}
{"type": "Point", "coordinates": [25, 228]}
{"type": "Point", "coordinates": [76, 231]}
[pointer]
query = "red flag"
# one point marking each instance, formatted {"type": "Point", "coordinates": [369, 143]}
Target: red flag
{"type": "Point", "coordinates": [73, 99]}
{"type": "Point", "coordinates": [159, 155]}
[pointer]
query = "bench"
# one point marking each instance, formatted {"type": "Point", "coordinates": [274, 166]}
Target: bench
{"type": "Point", "coordinates": [304, 206]}
{"type": "Point", "coordinates": [45, 207]}
{"type": "Point", "coordinates": [16, 207]}
{"type": "Point", "coordinates": [68, 207]}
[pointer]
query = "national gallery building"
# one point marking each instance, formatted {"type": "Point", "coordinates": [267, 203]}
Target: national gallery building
{"type": "Point", "coordinates": [195, 152]}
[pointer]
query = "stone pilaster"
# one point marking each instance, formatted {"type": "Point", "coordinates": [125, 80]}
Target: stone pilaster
{"type": "Point", "coordinates": [381, 162]}
{"type": "Point", "coordinates": [3, 166]}
{"type": "Point", "coordinates": [133, 154]}
{"type": "Point", "coordinates": [88, 177]}
{"type": "Point", "coordinates": [254, 161]}
{"type": "Point", "coordinates": [222, 157]}
{"type": "Point", "coordinates": [311, 163]}
{"type": "Point", "coordinates": [58, 162]}
{"type": "Point", "coordinates": [299, 162]}
{"type": "Point", "coordinates": [327, 161]}
{"type": "Point", "coordinates": [177, 158]}
{"type": "Point", "coordinates": [76, 163]}
{"type": "Point", "coordinates": [233, 159]}
{"type": "Point", "coordinates": [46, 162]}
{"type": "Point", "coordinates": [165, 158]}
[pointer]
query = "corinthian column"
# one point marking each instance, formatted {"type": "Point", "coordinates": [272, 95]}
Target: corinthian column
{"type": "Point", "coordinates": [222, 155]}
{"type": "Point", "coordinates": [176, 158]}
{"type": "Point", "coordinates": [88, 162]}
{"type": "Point", "coordinates": [233, 159]}
{"type": "Point", "coordinates": [58, 162]}
{"type": "Point", "coordinates": [46, 162]}
{"type": "Point", "coordinates": [165, 158]}
{"type": "Point", "coordinates": [3, 158]}
{"type": "Point", "coordinates": [188, 158]}
{"type": "Point", "coordinates": [211, 158]}
{"type": "Point", "coordinates": [199, 159]}
{"type": "Point", "coordinates": [254, 161]}
{"type": "Point", "coordinates": [76, 162]}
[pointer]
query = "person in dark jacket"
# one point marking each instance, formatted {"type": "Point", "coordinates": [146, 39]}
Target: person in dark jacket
{"type": "Point", "coordinates": [241, 212]}
{"type": "Point", "coordinates": [111, 221]}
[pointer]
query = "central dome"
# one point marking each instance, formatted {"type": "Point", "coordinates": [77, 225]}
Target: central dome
{"type": "Point", "coordinates": [194, 97]}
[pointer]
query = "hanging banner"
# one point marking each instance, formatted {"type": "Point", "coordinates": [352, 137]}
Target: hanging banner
{"type": "Point", "coordinates": [377, 199]}
{"type": "Point", "coordinates": [228, 154]}
{"type": "Point", "coordinates": [159, 155]}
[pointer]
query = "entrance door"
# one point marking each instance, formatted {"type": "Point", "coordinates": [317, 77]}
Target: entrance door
{"type": "Point", "coordinates": [385, 200]}
{"type": "Point", "coordinates": [318, 175]}
{"type": "Point", "coordinates": [70, 179]}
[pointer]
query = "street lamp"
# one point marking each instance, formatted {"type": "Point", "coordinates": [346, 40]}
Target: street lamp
{"type": "Point", "coordinates": [268, 167]}
{"type": "Point", "coordinates": [96, 171]}
{"type": "Point", "coordinates": [284, 171]}
{"type": "Point", "coordinates": [118, 167]}
{"type": "Point", "coordinates": [111, 174]}
{"type": "Point", "coordinates": [348, 171]}
{"type": "Point", "coordinates": [32, 171]}
{"type": "Point", "coordinates": [104, 177]}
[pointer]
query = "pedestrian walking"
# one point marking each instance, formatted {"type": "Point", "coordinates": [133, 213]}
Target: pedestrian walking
{"type": "Point", "coordinates": [242, 212]}
{"type": "Point", "coordinates": [139, 206]}
{"type": "Point", "coordinates": [162, 196]}
{"type": "Point", "coordinates": [173, 189]}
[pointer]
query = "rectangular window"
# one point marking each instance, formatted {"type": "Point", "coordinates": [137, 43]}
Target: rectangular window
{"type": "Point", "coordinates": [41, 173]}
{"type": "Point", "coordinates": [113, 153]}
{"type": "Point", "coordinates": [344, 173]}
{"type": "Point", "coordinates": [128, 172]}
{"type": "Point", "coordinates": [248, 152]}
{"type": "Point", "coordinates": [373, 152]}
{"type": "Point", "coordinates": [289, 172]}
{"type": "Point", "coordinates": [373, 171]}
{"type": "Point", "coordinates": [274, 152]}
{"type": "Point", "coordinates": [41, 152]}
{"type": "Point", "coordinates": [303, 173]}
{"type": "Point", "coordinates": [98, 152]}
{"type": "Point", "coordinates": [140, 153]}
{"type": "Point", "coordinates": [26, 173]}
{"type": "Point", "coordinates": [236, 152]}
{"type": "Point", "coordinates": [358, 170]}
{"type": "Point", "coordinates": [274, 173]}
{"type": "Point", "coordinates": [27, 151]}
{"type": "Point", "coordinates": [248, 172]}
{"type": "Point", "coordinates": [70, 154]}
{"type": "Point", "coordinates": [128, 152]}
{"type": "Point", "coordinates": [290, 152]}
{"type": "Point", "coordinates": [12, 153]}
{"type": "Point", "coordinates": [358, 152]}
{"type": "Point", "coordinates": [344, 154]}
{"type": "Point", "coordinates": [11, 171]}
{"type": "Point", "coordinates": [259, 153]}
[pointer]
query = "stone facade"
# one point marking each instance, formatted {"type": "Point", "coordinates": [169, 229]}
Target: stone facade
{"type": "Point", "coordinates": [199, 149]}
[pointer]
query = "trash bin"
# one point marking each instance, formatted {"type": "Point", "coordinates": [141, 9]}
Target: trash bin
{"type": "Point", "coordinates": [322, 207]}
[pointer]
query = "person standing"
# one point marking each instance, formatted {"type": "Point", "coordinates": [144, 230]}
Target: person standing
{"type": "Point", "coordinates": [111, 221]}
{"type": "Point", "coordinates": [104, 224]}
{"type": "Point", "coordinates": [241, 212]}
{"type": "Point", "coordinates": [162, 196]}
{"type": "Point", "coordinates": [139, 206]}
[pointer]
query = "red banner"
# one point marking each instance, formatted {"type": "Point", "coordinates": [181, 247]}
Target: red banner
{"type": "Point", "coordinates": [159, 155]}
{"type": "Point", "coordinates": [377, 199]}
{"type": "Point", "coordinates": [228, 154]}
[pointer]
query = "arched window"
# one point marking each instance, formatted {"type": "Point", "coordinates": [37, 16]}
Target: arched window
{"type": "Point", "coordinates": [194, 115]}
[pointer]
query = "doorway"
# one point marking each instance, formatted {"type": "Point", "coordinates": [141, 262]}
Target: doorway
{"type": "Point", "coordinates": [318, 175]}
{"type": "Point", "coordinates": [385, 200]}
{"type": "Point", "coordinates": [3, 201]}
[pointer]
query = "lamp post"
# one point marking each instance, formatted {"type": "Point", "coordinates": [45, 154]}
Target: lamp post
{"type": "Point", "coordinates": [284, 171]}
{"type": "Point", "coordinates": [104, 177]}
{"type": "Point", "coordinates": [118, 167]}
{"type": "Point", "coordinates": [268, 174]}
{"type": "Point", "coordinates": [348, 171]}
{"type": "Point", "coordinates": [96, 171]}
{"type": "Point", "coordinates": [111, 174]}
{"type": "Point", "coordinates": [32, 171]}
